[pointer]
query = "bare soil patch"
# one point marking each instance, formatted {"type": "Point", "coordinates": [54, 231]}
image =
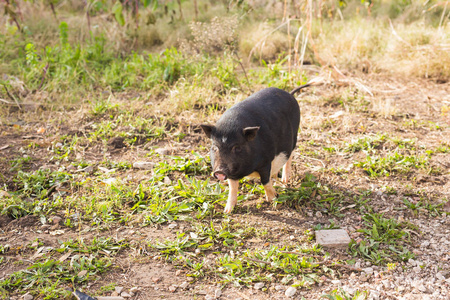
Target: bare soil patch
{"type": "Point", "coordinates": [408, 112]}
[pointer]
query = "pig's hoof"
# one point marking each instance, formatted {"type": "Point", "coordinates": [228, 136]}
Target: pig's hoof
{"type": "Point", "coordinates": [228, 209]}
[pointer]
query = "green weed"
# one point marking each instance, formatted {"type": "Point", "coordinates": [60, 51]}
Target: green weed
{"type": "Point", "coordinates": [366, 143]}
{"type": "Point", "coordinates": [385, 240]}
{"type": "Point", "coordinates": [394, 163]}
{"type": "Point", "coordinates": [340, 294]}
{"type": "Point", "coordinates": [324, 199]}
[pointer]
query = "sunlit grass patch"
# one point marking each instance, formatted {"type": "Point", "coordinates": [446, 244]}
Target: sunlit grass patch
{"type": "Point", "coordinates": [376, 166]}
{"type": "Point", "coordinates": [46, 276]}
{"type": "Point", "coordinates": [386, 240]}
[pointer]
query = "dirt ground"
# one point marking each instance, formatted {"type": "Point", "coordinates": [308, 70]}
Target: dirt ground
{"type": "Point", "coordinates": [333, 116]}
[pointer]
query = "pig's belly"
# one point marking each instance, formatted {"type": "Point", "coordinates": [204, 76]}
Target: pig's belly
{"type": "Point", "coordinates": [277, 163]}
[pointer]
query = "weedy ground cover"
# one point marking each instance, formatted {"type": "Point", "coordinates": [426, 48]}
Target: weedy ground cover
{"type": "Point", "coordinates": [94, 89]}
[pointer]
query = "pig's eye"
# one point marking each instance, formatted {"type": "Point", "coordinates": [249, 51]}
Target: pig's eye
{"type": "Point", "coordinates": [236, 149]}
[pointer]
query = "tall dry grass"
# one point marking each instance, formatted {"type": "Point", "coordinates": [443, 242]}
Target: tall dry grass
{"type": "Point", "coordinates": [407, 38]}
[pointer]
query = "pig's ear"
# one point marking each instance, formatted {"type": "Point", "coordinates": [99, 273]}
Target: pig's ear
{"type": "Point", "coordinates": [208, 129]}
{"type": "Point", "coordinates": [250, 132]}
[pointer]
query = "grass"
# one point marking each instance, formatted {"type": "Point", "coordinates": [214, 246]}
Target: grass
{"type": "Point", "coordinates": [385, 241]}
{"type": "Point", "coordinates": [395, 163]}
{"type": "Point", "coordinates": [44, 276]}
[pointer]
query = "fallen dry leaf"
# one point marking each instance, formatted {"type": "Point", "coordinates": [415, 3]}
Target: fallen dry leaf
{"type": "Point", "coordinates": [65, 256]}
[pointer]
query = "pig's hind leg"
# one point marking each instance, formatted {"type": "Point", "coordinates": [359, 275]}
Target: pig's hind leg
{"type": "Point", "coordinates": [287, 170]}
{"type": "Point", "coordinates": [232, 195]}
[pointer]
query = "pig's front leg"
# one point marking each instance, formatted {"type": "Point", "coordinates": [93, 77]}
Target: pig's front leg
{"type": "Point", "coordinates": [232, 195]}
{"type": "Point", "coordinates": [267, 183]}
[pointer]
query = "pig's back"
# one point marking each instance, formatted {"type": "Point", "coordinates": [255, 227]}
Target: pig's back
{"type": "Point", "coordinates": [275, 111]}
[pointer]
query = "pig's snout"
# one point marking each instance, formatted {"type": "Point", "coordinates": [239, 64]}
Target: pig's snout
{"type": "Point", "coordinates": [220, 175]}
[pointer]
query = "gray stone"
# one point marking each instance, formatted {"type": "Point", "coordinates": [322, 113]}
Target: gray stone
{"type": "Point", "coordinates": [217, 293]}
{"type": "Point", "coordinates": [172, 225]}
{"type": "Point", "coordinates": [118, 289]}
{"type": "Point", "coordinates": [280, 288]}
{"type": "Point", "coordinates": [374, 295]}
{"type": "Point", "coordinates": [143, 165]}
{"type": "Point", "coordinates": [27, 296]}
{"type": "Point", "coordinates": [125, 295]}
{"type": "Point", "coordinates": [422, 288]}
{"type": "Point", "coordinates": [259, 285]}
{"type": "Point", "coordinates": [439, 276]}
{"type": "Point", "coordinates": [364, 277]}
{"type": "Point", "coordinates": [184, 285]}
{"type": "Point", "coordinates": [386, 284]}
{"type": "Point", "coordinates": [290, 292]}
{"type": "Point", "coordinates": [333, 238]}
{"type": "Point", "coordinates": [162, 151]}
{"type": "Point", "coordinates": [368, 270]}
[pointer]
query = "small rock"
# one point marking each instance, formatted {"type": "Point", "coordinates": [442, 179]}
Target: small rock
{"type": "Point", "coordinates": [156, 279]}
{"type": "Point", "coordinates": [118, 289]}
{"type": "Point", "coordinates": [143, 165]}
{"type": "Point", "coordinates": [88, 169]}
{"type": "Point", "coordinates": [386, 284]}
{"type": "Point", "coordinates": [333, 238]}
{"type": "Point", "coordinates": [350, 290]}
{"type": "Point", "coordinates": [335, 281]}
{"type": "Point", "coordinates": [368, 270]}
{"type": "Point", "coordinates": [172, 288]}
{"type": "Point", "coordinates": [280, 288]}
{"type": "Point", "coordinates": [114, 294]}
{"type": "Point", "coordinates": [258, 285]}
{"type": "Point", "coordinates": [162, 151]}
{"type": "Point", "coordinates": [411, 262]}
{"type": "Point", "coordinates": [172, 225]}
{"type": "Point", "coordinates": [134, 289]}
{"type": "Point", "coordinates": [209, 297]}
{"type": "Point", "coordinates": [178, 273]}
{"type": "Point", "coordinates": [422, 288]}
{"type": "Point", "coordinates": [117, 142]}
{"type": "Point", "coordinates": [425, 244]}
{"type": "Point", "coordinates": [374, 295]}
{"type": "Point", "coordinates": [439, 276]}
{"type": "Point", "coordinates": [125, 295]}
{"type": "Point", "coordinates": [290, 292]}
{"type": "Point", "coordinates": [217, 293]}
{"type": "Point", "coordinates": [27, 296]}
{"type": "Point", "coordinates": [56, 220]}
{"type": "Point", "coordinates": [318, 214]}
{"type": "Point", "coordinates": [184, 285]}
{"type": "Point", "coordinates": [417, 269]}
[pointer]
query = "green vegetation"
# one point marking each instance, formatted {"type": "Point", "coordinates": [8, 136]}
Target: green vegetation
{"type": "Point", "coordinates": [386, 240]}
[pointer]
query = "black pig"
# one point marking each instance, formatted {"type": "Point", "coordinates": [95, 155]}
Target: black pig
{"type": "Point", "coordinates": [255, 137]}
